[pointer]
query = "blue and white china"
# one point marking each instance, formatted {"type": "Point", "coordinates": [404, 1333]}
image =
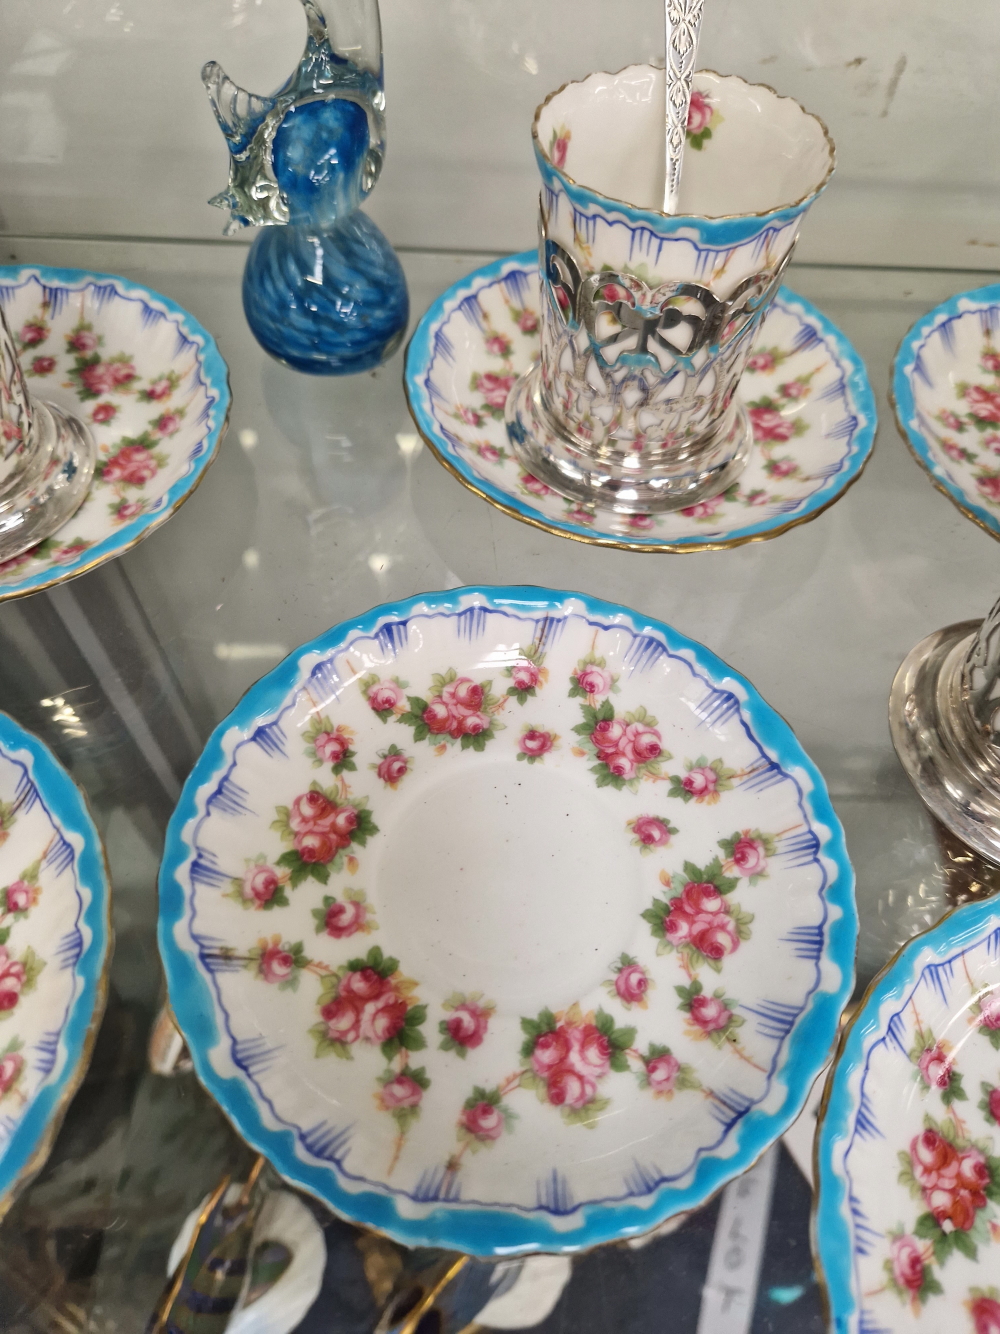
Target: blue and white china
{"type": "Point", "coordinates": [149, 383]}
{"type": "Point", "coordinates": [505, 919]}
{"type": "Point", "coordinates": [946, 387]}
{"type": "Point", "coordinates": [648, 319]}
{"type": "Point", "coordinates": [805, 389]}
{"type": "Point", "coordinates": [907, 1222]}
{"type": "Point", "coordinates": [55, 949]}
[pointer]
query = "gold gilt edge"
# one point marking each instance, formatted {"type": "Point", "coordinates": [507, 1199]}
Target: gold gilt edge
{"type": "Point", "coordinates": [855, 1016]}
{"type": "Point", "coordinates": [669, 548]}
{"type": "Point", "coordinates": [43, 1148]}
{"type": "Point", "coordinates": [66, 575]}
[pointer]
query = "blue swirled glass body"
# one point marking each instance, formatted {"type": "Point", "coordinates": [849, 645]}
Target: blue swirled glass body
{"type": "Point", "coordinates": [323, 290]}
{"type": "Point", "coordinates": [328, 302]}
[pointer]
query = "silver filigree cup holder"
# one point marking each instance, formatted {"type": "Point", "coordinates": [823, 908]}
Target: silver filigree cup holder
{"type": "Point", "coordinates": [944, 716]}
{"type": "Point", "coordinates": [648, 318]}
{"type": "Point", "coordinates": [47, 459]}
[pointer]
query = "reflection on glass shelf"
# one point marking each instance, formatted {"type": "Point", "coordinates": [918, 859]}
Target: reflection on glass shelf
{"type": "Point", "coordinates": [818, 619]}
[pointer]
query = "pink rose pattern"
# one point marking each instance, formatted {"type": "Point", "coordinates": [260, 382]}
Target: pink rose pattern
{"type": "Point", "coordinates": [456, 709]}
{"type": "Point", "coordinates": [126, 466]}
{"type": "Point", "coordinates": [777, 418]}
{"type": "Point", "coordinates": [702, 119]}
{"type": "Point", "coordinates": [627, 749]}
{"type": "Point", "coordinates": [20, 966]}
{"type": "Point", "coordinates": [953, 1177]}
{"type": "Point", "coordinates": [976, 419]}
{"type": "Point", "coordinates": [568, 1056]}
{"type": "Point", "coordinates": [467, 1023]}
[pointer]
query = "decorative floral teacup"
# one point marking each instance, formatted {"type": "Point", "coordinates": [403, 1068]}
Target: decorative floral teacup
{"type": "Point", "coordinates": [647, 318]}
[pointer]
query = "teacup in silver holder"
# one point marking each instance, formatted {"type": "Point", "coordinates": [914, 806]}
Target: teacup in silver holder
{"type": "Point", "coordinates": [660, 367]}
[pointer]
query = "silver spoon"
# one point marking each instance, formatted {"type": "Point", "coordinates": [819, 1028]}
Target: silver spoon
{"type": "Point", "coordinates": [683, 28]}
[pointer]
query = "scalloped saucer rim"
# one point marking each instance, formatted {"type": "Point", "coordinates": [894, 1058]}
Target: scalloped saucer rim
{"type": "Point", "coordinates": [478, 471]}
{"type": "Point", "coordinates": [113, 534]}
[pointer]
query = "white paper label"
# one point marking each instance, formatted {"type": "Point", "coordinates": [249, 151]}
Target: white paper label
{"type": "Point", "coordinates": [730, 1291]}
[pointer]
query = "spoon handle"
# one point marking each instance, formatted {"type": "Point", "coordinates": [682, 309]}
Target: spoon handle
{"type": "Point", "coordinates": [683, 28]}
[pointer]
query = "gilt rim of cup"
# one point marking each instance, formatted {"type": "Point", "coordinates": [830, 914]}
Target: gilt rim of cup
{"type": "Point", "coordinates": [699, 217]}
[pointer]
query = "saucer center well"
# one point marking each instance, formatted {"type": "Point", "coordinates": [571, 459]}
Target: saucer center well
{"type": "Point", "coordinates": [510, 879]}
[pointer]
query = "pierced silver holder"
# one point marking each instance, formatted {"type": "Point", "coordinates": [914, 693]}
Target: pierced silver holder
{"type": "Point", "coordinates": [47, 459]}
{"type": "Point", "coordinates": [944, 717]}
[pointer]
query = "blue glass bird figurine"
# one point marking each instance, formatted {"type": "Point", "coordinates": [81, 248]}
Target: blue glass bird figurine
{"type": "Point", "coordinates": [323, 290]}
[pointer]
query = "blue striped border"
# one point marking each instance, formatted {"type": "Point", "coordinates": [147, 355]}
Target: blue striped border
{"type": "Point", "coordinates": [493, 1231]}
{"type": "Point", "coordinates": [215, 376]}
{"type": "Point", "coordinates": [420, 355]}
{"type": "Point", "coordinates": [906, 366]}
{"type": "Point", "coordinates": [833, 1240]}
{"type": "Point", "coordinates": [68, 811]}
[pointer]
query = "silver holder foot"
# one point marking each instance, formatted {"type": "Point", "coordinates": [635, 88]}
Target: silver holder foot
{"type": "Point", "coordinates": [941, 717]}
{"type": "Point", "coordinates": [611, 479]}
{"type": "Point", "coordinates": [54, 483]}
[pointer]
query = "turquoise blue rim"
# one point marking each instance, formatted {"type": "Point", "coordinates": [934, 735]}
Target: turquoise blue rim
{"type": "Point", "coordinates": [832, 1238]}
{"type": "Point", "coordinates": [906, 365]}
{"type": "Point", "coordinates": [489, 1231]}
{"type": "Point", "coordinates": [215, 374]}
{"type": "Point", "coordinates": [67, 808]}
{"type": "Point", "coordinates": [711, 233]}
{"type": "Point", "coordinates": [421, 352]}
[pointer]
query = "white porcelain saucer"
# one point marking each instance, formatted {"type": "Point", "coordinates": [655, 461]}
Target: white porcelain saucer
{"type": "Point", "coordinates": [507, 920]}
{"type": "Point", "coordinates": [152, 387]}
{"type": "Point", "coordinates": [806, 389]}
{"type": "Point", "coordinates": [907, 1223]}
{"type": "Point", "coordinates": [946, 390]}
{"type": "Point", "coordinates": [55, 950]}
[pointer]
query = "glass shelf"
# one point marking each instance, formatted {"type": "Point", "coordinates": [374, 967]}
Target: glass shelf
{"type": "Point", "coordinates": [323, 502]}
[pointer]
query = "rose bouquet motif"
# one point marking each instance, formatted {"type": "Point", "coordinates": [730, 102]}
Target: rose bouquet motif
{"type": "Point", "coordinates": [697, 918]}
{"type": "Point", "coordinates": [627, 749]}
{"type": "Point", "coordinates": [456, 709]}
{"type": "Point", "coordinates": [956, 1179]}
{"type": "Point", "coordinates": [368, 1000]}
{"type": "Point", "coordinates": [569, 1054]}
{"type": "Point", "coordinates": [19, 973]}
{"type": "Point", "coordinates": [321, 825]}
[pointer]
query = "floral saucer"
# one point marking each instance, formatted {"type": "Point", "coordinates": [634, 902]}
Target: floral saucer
{"type": "Point", "coordinates": [907, 1224]}
{"type": "Point", "coordinates": [149, 382]}
{"type": "Point", "coordinates": [946, 391]}
{"type": "Point", "coordinates": [55, 948]}
{"type": "Point", "coordinates": [503, 919]}
{"type": "Point", "coordinates": [807, 392]}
